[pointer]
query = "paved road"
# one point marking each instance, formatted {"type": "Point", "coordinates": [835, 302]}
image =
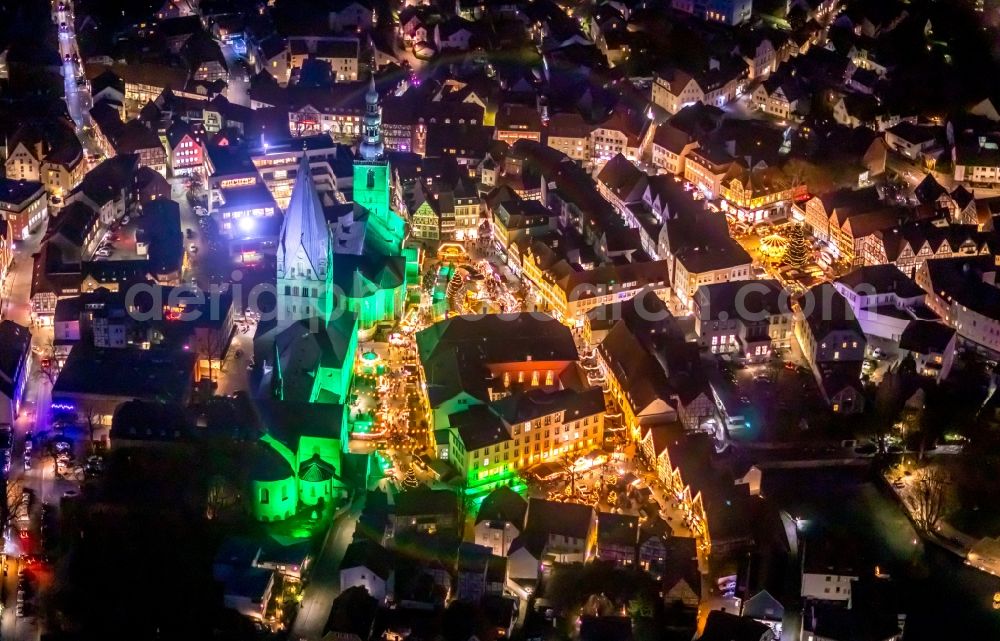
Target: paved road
{"type": "Point", "coordinates": [324, 581]}
{"type": "Point", "coordinates": [239, 85]}
{"type": "Point", "coordinates": [913, 172]}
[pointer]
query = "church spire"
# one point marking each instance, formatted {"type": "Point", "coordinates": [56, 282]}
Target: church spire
{"type": "Point", "coordinates": [304, 227]}
{"type": "Point", "coordinates": [371, 144]}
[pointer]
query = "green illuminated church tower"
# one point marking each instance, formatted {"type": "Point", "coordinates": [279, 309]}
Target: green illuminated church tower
{"type": "Point", "coordinates": [385, 229]}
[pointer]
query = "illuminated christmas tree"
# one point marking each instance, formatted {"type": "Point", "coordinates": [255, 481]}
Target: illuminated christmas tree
{"type": "Point", "coordinates": [455, 287]}
{"type": "Point", "coordinates": [797, 254]}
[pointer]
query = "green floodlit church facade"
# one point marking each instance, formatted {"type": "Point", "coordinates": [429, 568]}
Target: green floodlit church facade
{"type": "Point", "coordinates": [334, 285]}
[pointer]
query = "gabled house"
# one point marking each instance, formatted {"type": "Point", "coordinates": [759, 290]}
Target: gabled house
{"type": "Point", "coordinates": [931, 344]}
{"type": "Point", "coordinates": [681, 578]}
{"type": "Point", "coordinates": [185, 150]}
{"type": "Point", "coordinates": [653, 374]}
{"type": "Point", "coordinates": [764, 608]}
{"type": "Point", "coordinates": [718, 84]}
{"type": "Point", "coordinates": [500, 520]}
{"type": "Point", "coordinates": [833, 342]}
{"type": "Point", "coordinates": [753, 318]}
{"type": "Point", "coordinates": [15, 351]}
{"type": "Point", "coordinates": [617, 537]}
{"type": "Point", "coordinates": [963, 291]}
{"type": "Point", "coordinates": [723, 626]}
{"type": "Point", "coordinates": [351, 15]}
{"type": "Point", "coordinates": [554, 532]}
{"type": "Point", "coordinates": [783, 96]}
{"type": "Point", "coordinates": [884, 300]}
{"type": "Point", "coordinates": [425, 511]}
{"type": "Point", "coordinates": [136, 138]}
{"type": "Point", "coordinates": [367, 564]}
{"type": "Point", "coordinates": [652, 551]}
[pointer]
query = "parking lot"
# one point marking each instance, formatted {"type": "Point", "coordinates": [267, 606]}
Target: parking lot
{"type": "Point", "coordinates": [780, 400]}
{"type": "Point", "coordinates": [119, 242]}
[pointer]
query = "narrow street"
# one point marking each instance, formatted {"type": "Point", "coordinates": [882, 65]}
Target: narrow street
{"type": "Point", "coordinates": [324, 578]}
{"type": "Point", "coordinates": [237, 91]}
{"type": "Point", "coordinates": [78, 98]}
{"type": "Point", "coordinates": [15, 304]}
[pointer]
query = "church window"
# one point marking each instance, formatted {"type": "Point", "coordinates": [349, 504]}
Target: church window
{"type": "Point", "coordinates": [265, 496]}
{"type": "Point", "coordinates": [288, 290]}
{"type": "Point", "coordinates": [371, 179]}
{"type": "Point", "coordinates": [307, 310]}
{"type": "Point", "coordinates": [293, 272]}
{"type": "Point", "coordinates": [284, 492]}
{"type": "Point", "coordinates": [295, 291]}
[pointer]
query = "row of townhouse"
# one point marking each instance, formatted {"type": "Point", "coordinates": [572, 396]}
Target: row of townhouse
{"type": "Point", "coordinates": [443, 212]}
{"type": "Point", "coordinates": [721, 82]}
{"type": "Point", "coordinates": [48, 153]}
{"type": "Point", "coordinates": [571, 290]}
{"type": "Point", "coordinates": [892, 311]}
{"type": "Point", "coordinates": [753, 318]}
{"type": "Point", "coordinates": [674, 227]}
{"type": "Point", "coordinates": [834, 344]}
{"type": "Point", "coordinates": [963, 292]}
{"type": "Point", "coordinates": [653, 375]}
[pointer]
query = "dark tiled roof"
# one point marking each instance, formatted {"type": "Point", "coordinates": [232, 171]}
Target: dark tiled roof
{"type": "Point", "coordinates": [150, 420]}
{"type": "Point", "coordinates": [723, 626]}
{"type": "Point", "coordinates": [520, 408]}
{"type": "Point", "coordinates": [17, 192]}
{"type": "Point", "coordinates": [478, 426]}
{"type": "Point", "coordinates": [365, 553]}
{"type": "Point", "coordinates": [423, 500]}
{"type": "Point", "coordinates": [926, 337]}
{"type": "Point", "coordinates": [15, 343]}
{"type": "Point", "coordinates": [881, 279]}
{"type": "Point", "coordinates": [617, 529]}
{"type": "Point", "coordinates": [554, 517]}
{"type": "Point", "coordinates": [503, 504]}
{"type": "Point", "coordinates": [147, 374]}
{"type": "Point", "coordinates": [738, 298]}
{"type": "Point", "coordinates": [455, 352]}
{"type": "Point", "coordinates": [829, 311]}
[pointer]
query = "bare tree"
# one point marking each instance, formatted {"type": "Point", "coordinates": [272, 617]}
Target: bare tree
{"type": "Point", "coordinates": [212, 348]}
{"type": "Point", "coordinates": [927, 497]}
{"type": "Point", "coordinates": [47, 361]}
{"type": "Point", "coordinates": [222, 496]}
{"type": "Point", "coordinates": [92, 416]}
{"type": "Point", "coordinates": [14, 489]}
